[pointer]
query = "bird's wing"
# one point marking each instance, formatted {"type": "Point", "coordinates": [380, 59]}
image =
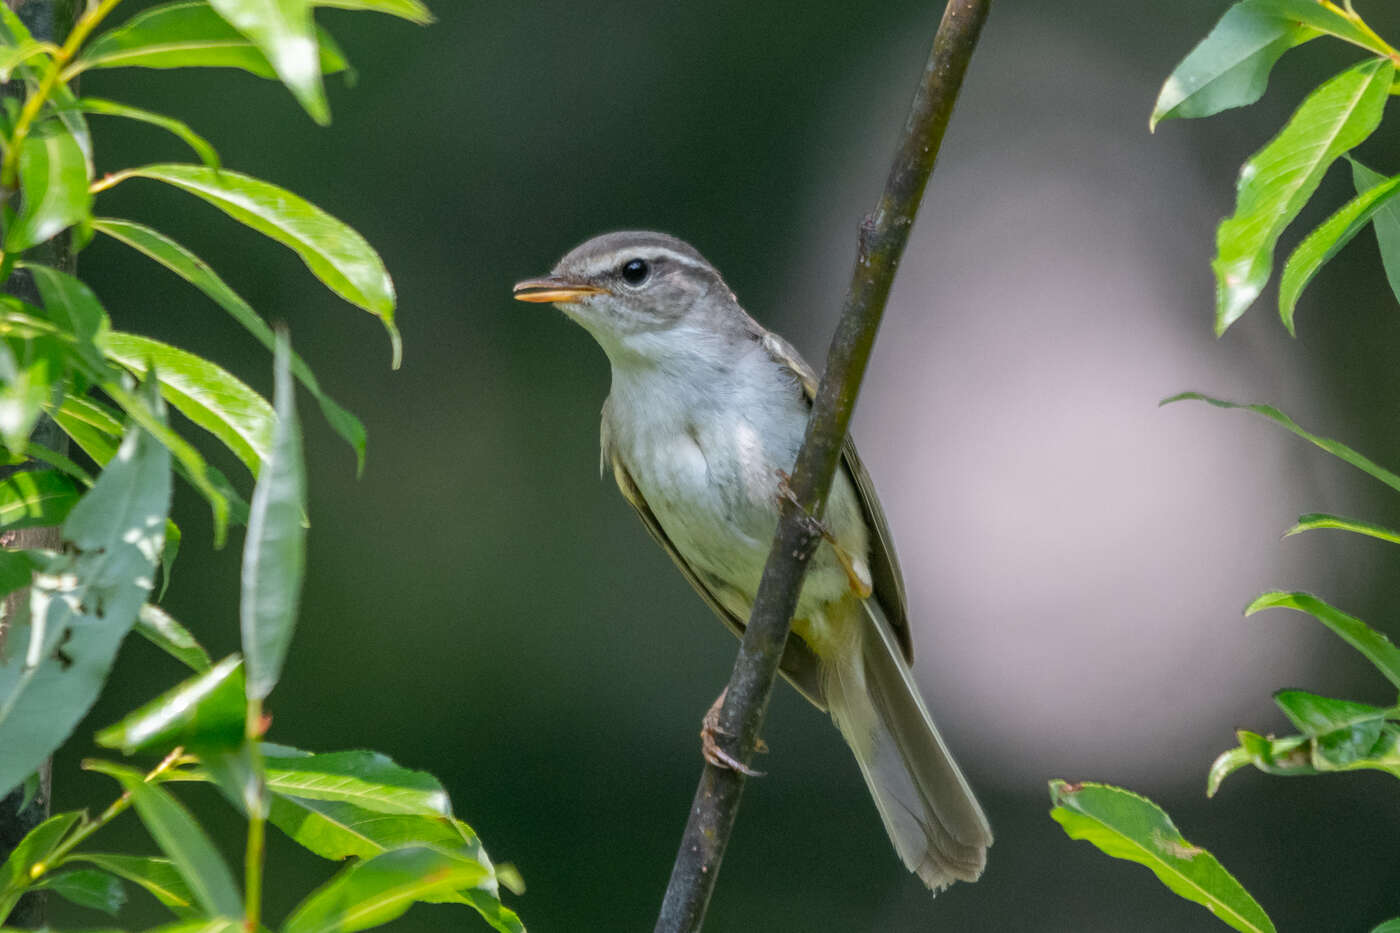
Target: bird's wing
{"type": "Point", "coordinates": [800, 665]}
{"type": "Point", "coordinates": [886, 579]}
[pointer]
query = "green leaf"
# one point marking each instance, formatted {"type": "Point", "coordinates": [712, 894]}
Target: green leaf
{"type": "Point", "coordinates": [157, 627]}
{"type": "Point", "coordinates": [207, 394]}
{"type": "Point", "coordinates": [33, 849]}
{"type": "Point", "coordinates": [181, 838]}
{"type": "Point", "coordinates": [336, 830]}
{"type": "Point", "coordinates": [1390, 926]}
{"type": "Point", "coordinates": [284, 31]}
{"type": "Point", "coordinates": [58, 461]}
{"type": "Point", "coordinates": [13, 56]}
{"type": "Point", "coordinates": [1318, 520]}
{"type": "Point", "coordinates": [1368, 745]}
{"type": "Point", "coordinates": [1339, 450]}
{"type": "Point", "coordinates": [1328, 19]}
{"type": "Point", "coordinates": [36, 498]}
{"type": "Point", "coordinates": [335, 253]}
{"type": "Point", "coordinates": [87, 888]}
{"type": "Point", "coordinates": [16, 570]}
{"type": "Point", "coordinates": [366, 779]}
{"type": "Point", "coordinates": [1375, 646]}
{"type": "Point", "coordinates": [274, 551]}
{"type": "Point", "coordinates": [1317, 716]}
{"type": "Point", "coordinates": [1280, 178]}
{"type": "Point", "coordinates": [194, 270]}
{"type": "Point", "coordinates": [1387, 224]}
{"type": "Point", "coordinates": [211, 484]}
{"type": "Point", "coordinates": [374, 892]}
{"type": "Point", "coordinates": [91, 425]}
{"type": "Point", "coordinates": [24, 388]}
{"type": "Point", "coordinates": [205, 714]}
{"type": "Point", "coordinates": [1127, 826]}
{"type": "Point", "coordinates": [181, 35]}
{"type": "Point", "coordinates": [1326, 241]}
{"type": "Point", "coordinates": [411, 10]}
{"type": "Point", "coordinates": [53, 177]}
{"type": "Point", "coordinates": [178, 128]}
{"type": "Point", "coordinates": [1230, 67]}
{"type": "Point", "coordinates": [168, 553]}
{"type": "Point", "coordinates": [85, 600]}
{"type": "Point", "coordinates": [157, 876]}
{"type": "Point", "coordinates": [69, 303]}
{"type": "Point", "coordinates": [216, 925]}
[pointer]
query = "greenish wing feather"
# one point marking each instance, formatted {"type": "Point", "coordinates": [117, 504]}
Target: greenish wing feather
{"type": "Point", "coordinates": [800, 665]}
{"type": "Point", "coordinates": [887, 580]}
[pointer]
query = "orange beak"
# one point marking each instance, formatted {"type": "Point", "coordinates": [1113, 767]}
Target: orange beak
{"type": "Point", "coordinates": [553, 288]}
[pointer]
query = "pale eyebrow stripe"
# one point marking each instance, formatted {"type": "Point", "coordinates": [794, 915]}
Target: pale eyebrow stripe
{"type": "Point", "coordinates": [610, 260]}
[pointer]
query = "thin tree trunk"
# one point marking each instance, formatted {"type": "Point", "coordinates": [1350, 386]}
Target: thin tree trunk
{"type": "Point", "coordinates": [48, 20]}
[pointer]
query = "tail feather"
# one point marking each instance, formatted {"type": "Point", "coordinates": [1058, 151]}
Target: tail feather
{"type": "Point", "coordinates": [929, 811]}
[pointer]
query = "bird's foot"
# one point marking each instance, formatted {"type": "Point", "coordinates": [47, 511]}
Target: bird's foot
{"type": "Point", "coordinates": [859, 585]}
{"type": "Point", "coordinates": [709, 745]}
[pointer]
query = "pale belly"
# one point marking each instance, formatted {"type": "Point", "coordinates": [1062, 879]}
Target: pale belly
{"type": "Point", "coordinates": [716, 494]}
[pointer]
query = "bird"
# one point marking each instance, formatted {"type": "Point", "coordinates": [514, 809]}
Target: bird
{"type": "Point", "coordinates": [706, 411]}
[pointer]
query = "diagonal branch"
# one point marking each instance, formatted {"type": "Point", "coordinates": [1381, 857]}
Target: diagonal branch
{"type": "Point", "coordinates": [883, 235]}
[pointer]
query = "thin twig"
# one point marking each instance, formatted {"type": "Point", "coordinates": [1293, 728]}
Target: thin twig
{"type": "Point", "coordinates": [883, 236]}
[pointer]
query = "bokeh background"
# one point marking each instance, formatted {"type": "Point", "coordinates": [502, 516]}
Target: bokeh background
{"type": "Point", "coordinates": [480, 605]}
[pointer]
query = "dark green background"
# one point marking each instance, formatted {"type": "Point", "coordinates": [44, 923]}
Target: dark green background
{"type": "Point", "coordinates": [478, 604]}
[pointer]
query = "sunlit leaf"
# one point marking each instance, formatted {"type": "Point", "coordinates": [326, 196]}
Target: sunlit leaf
{"type": "Point", "coordinates": [1375, 646]}
{"type": "Point", "coordinates": [1368, 745]}
{"type": "Point", "coordinates": [82, 605]}
{"type": "Point", "coordinates": [12, 56]}
{"type": "Point", "coordinates": [25, 385]}
{"type": "Point", "coordinates": [274, 551]}
{"type": "Point", "coordinates": [1326, 241]}
{"type": "Point", "coordinates": [37, 845]}
{"type": "Point", "coordinates": [1326, 17]}
{"type": "Point", "coordinates": [157, 876]}
{"type": "Point", "coordinates": [1387, 224]}
{"type": "Point", "coordinates": [40, 453]}
{"type": "Point", "coordinates": [178, 128]}
{"type": "Point", "coordinates": [194, 270]}
{"type": "Point", "coordinates": [181, 838]}
{"type": "Point", "coordinates": [69, 303]}
{"type": "Point", "coordinates": [336, 830]}
{"type": "Point", "coordinates": [53, 177]}
{"type": "Point", "coordinates": [87, 888]}
{"type": "Point", "coordinates": [1127, 826]}
{"type": "Point", "coordinates": [156, 626]}
{"type": "Point", "coordinates": [1339, 450]}
{"type": "Point", "coordinates": [190, 34]}
{"type": "Point", "coordinates": [36, 499]}
{"type": "Point", "coordinates": [204, 714]}
{"type": "Point", "coordinates": [371, 893]}
{"type": "Point", "coordinates": [1319, 520]}
{"type": "Point", "coordinates": [411, 10]}
{"type": "Point", "coordinates": [1280, 178]}
{"type": "Point", "coordinates": [168, 553]}
{"type": "Point", "coordinates": [191, 465]}
{"type": "Point", "coordinates": [1230, 67]}
{"type": "Point", "coordinates": [335, 253]}
{"type": "Point", "coordinates": [364, 778]}
{"type": "Point", "coordinates": [207, 394]}
{"type": "Point", "coordinates": [284, 31]}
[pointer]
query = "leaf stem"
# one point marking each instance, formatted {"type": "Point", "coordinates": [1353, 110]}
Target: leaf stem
{"type": "Point", "coordinates": [88, 827]}
{"type": "Point", "coordinates": [257, 823]}
{"type": "Point", "coordinates": [52, 75]}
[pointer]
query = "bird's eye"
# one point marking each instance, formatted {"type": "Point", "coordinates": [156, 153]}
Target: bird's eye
{"type": "Point", "coordinates": [635, 272]}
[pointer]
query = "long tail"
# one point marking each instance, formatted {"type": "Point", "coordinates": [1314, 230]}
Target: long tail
{"type": "Point", "coordinates": [935, 823]}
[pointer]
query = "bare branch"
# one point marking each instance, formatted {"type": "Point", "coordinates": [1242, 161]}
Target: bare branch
{"type": "Point", "coordinates": [883, 236]}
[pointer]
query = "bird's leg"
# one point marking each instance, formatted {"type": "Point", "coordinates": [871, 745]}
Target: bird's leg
{"type": "Point", "coordinates": [709, 747]}
{"type": "Point", "coordinates": [816, 526]}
